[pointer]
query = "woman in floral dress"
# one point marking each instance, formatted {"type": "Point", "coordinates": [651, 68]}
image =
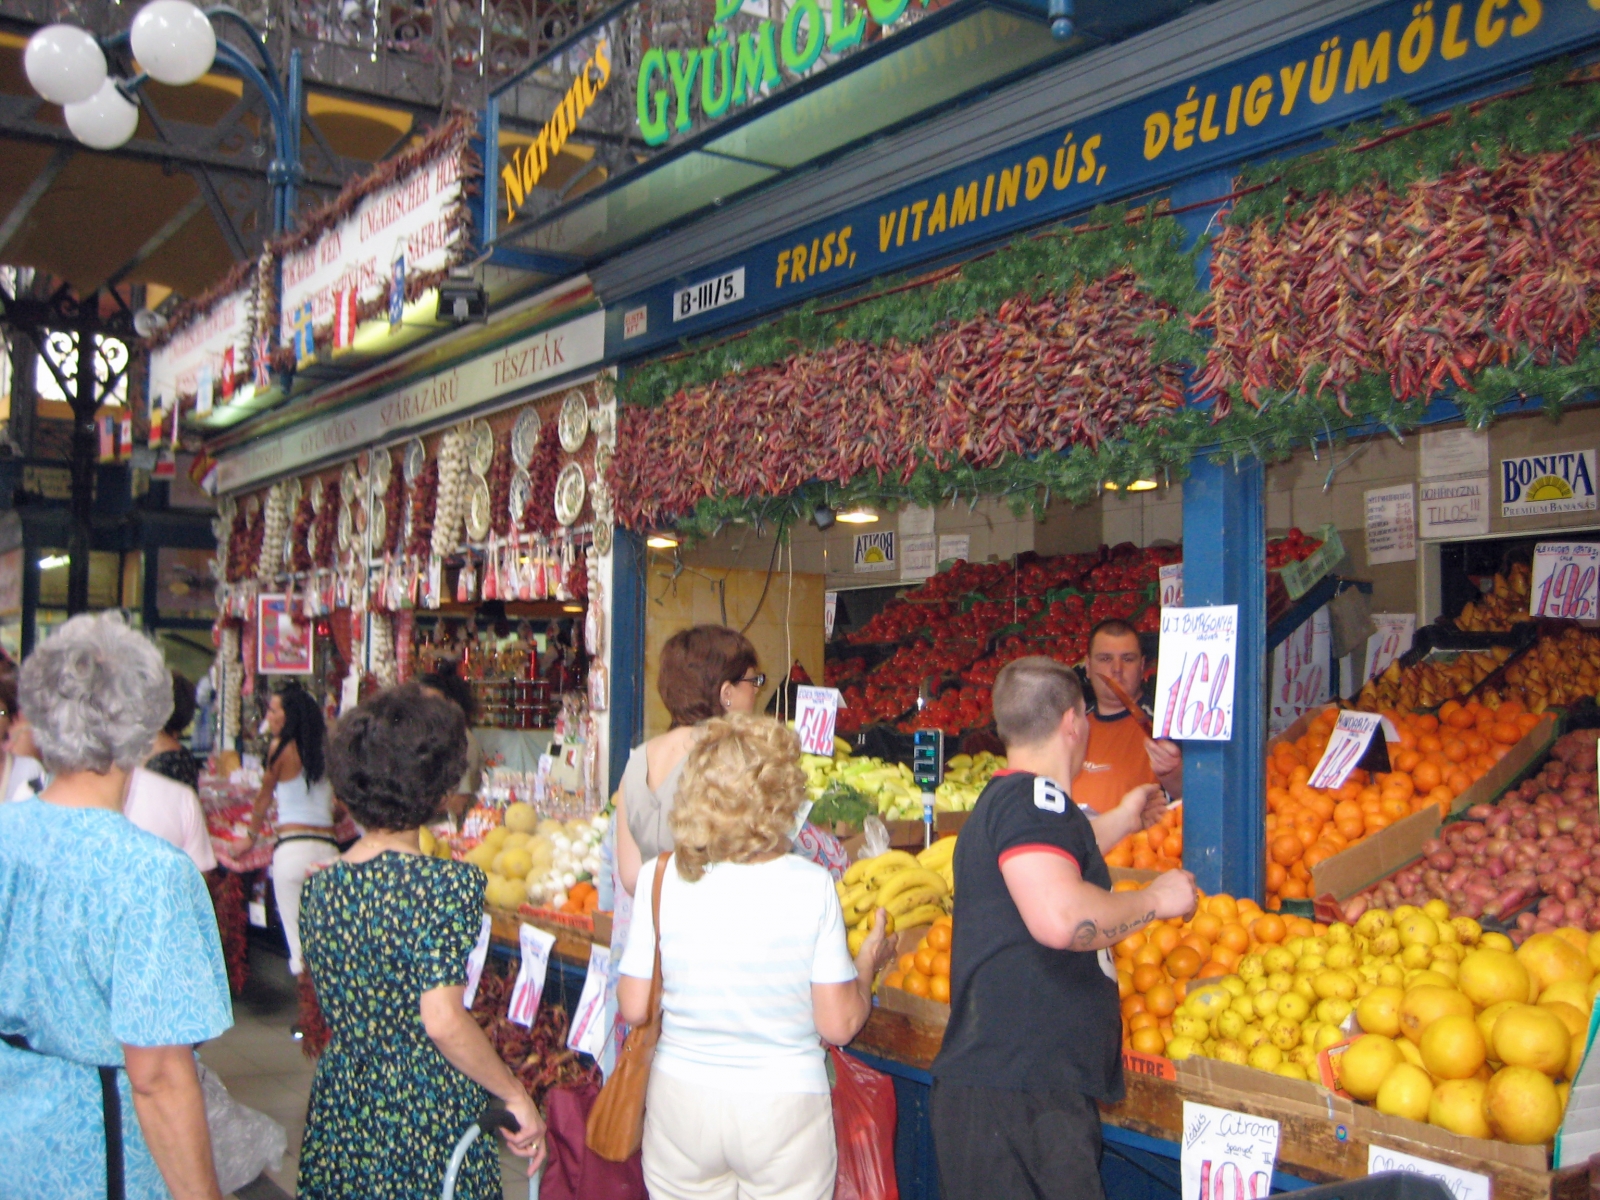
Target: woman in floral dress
{"type": "Point", "coordinates": [387, 931]}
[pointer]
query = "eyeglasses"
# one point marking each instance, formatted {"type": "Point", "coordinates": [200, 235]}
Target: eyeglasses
{"type": "Point", "coordinates": [759, 679]}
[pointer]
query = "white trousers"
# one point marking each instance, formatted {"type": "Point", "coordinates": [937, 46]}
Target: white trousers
{"type": "Point", "coordinates": [291, 863]}
{"type": "Point", "coordinates": [704, 1144]}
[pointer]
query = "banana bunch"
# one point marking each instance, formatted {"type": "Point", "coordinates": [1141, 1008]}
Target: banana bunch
{"type": "Point", "coordinates": [940, 859]}
{"type": "Point", "coordinates": [894, 881]}
{"type": "Point", "coordinates": [965, 776]}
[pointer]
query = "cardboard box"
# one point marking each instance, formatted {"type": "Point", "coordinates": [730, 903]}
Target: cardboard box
{"type": "Point", "coordinates": [1387, 851]}
{"type": "Point", "coordinates": [918, 1008]}
{"type": "Point", "coordinates": [949, 822]}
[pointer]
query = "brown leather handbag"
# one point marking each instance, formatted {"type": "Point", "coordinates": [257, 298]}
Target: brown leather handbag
{"type": "Point", "coordinates": [616, 1122]}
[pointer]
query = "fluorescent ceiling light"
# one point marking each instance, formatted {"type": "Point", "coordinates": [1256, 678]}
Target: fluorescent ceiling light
{"type": "Point", "coordinates": [51, 561]}
{"type": "Point", "coordinates": [858, 516]}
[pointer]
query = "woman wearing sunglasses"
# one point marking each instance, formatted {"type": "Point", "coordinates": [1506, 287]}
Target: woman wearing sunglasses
{"type": "Point", "coordinates": [706, 671]}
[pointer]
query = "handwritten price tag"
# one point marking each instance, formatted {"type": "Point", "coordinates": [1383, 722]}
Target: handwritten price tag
{"type": "Point", "coordinates": [591, 1024]}
{"type": "Point", "coordinates": [1463, 1185]}
{"type": "Point", "coordinates": [1226, 1155]}
{"type": "Point", "coordinates": [475, 961]}
{"type": "Point", "coordinates": [1565, 577]}
{"type": "Point", "coordinates": [529, 988]}
{"type": "Point", "coordinates": [1394, 636]}
{"type": "Point", "coordinates": [1195, 681]}
{"type": "Point", "coordinates": [1171, 585]}
{"type": "Point", "coordinates": [1348, 742]}
{"type": "Point", "coordinates": [816, 710]}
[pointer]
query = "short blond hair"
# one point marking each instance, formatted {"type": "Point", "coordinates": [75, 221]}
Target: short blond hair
{"type": "Point", "coordinates": [740, 791]}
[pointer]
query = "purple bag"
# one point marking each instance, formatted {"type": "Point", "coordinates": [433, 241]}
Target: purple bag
{"type": "Point", "coordinates": [573, 1171]}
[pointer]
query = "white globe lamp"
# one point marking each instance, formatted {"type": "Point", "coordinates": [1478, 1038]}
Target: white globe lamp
{"type": "Point", "coordinates": [173, 41]}
{"type": "Point", "coordinates": [105, 120]}
{"type": "Point", "coordinates": [64, 64]}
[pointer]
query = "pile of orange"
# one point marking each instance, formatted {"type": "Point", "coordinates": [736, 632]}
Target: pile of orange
{"type": "Point", "coordinates": [581, 898]}
{"type": "Point", "coordinates": [1159, 848]}
{"type": "Point", "coordinates": [1436, 759]}
{"type": "Point", "coordinates": [1157, 965]}
{"type": "Point", "coordinates": [925, 971]}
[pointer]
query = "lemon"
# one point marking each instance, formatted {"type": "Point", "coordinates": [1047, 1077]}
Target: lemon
{"type": "Point", "coordinates": [1252, 1036]}
{"type": "Point", "coordinates": [1402, 911]}
{"type": "Point", "coordinates": [1233, 984]}
{"type": "Point", "coordinates": [1339, 934]}
{"type": "Point", "coordinates": [1373, 921]}
{"type": "Point", "coordinates": [1416, 955]}
{"type": "Point", "coordinates": [1447, 968]}
{"type": "Point", "coordinates": [1334, 1010]}
{"type": "Point", "coordinates": [1406, 1091]}
{"type": "Point", "coordinates": [1180, 1048]}
{"type": "Point", "coordinates": [1245, 1006]}
{"type": "Point", "coordinates": [1468, 931]}
{"type": "Point", "coordinates": [1304, 986]}
{"type": "Point", "coordinates": [1328, 1036]}
{"type": "Point", "coordinates": [1385, 943]}
{"type": "Point", "coordinates": [1497, 941]}
{"type": "Point", "coordinates": [1208, 1002]}
{"type": "Point", "coordinates": [1309, 964]}
{"type": "Point", "coordinates": [1335, 985]}
{"type": "Point", "coordinates": [1230, 1051]}
{"type": "Point", "coordinates": [1437, 909]}
{"type": "Point", "coordinates": [1391, 975]}
{"type": "Point", "coordinates": [1280, 981]}
{"type": "Point", "coordinates": [1265, 1057]}
{"type": "Point", "coordinates": [1190, 1025]}
{"type": "Point", "coordinates": [1266, 1003]}
{"type": "Point", "coordinates": [1230, 1024]}
{"type": "Point", "coordinates": [1447, 952]}
{"type": "Point", "coordinates": [1368, 1061]}
{"type": "Point", "coordinates": [1278, 958]}
{"type": "Point", "coordinates": [1254, 987]}
{"type": "Point", "coordinates": [1447, 932]}
{"type": "Point", "coordinates": [1293, 1006]}
{"type": "Point", "coordinates": [1309, 1031]}
{"type": "Point", "coordinates": [1416, 979]}
{"type": "Point", "coordinates": [1291, 1070]}
{"type": "Point", "coordinates": [1284, 1034]}
{"type": "Point", "coordinates": [1251, 967]}
{"type": "Point", "coordinates": [1340, 956]}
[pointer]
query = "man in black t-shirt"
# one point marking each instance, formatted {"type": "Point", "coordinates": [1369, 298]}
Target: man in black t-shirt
{"type": "Point", "coordinates": [1034, 1034]}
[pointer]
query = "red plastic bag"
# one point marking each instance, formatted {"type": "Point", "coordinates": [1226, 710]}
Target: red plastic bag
{"type": "Point", "coordinates": [572, 1171]}
{"type": "Point", "coordinates": [863, 1125]}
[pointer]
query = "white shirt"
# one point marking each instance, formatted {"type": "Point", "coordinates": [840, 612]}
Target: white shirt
{"type": "Point", "coordinates": [740, 949]}
{"type": "Point", "coordinates": [18, 783]}
{"type": "Point", "coordinates": [171, 811]}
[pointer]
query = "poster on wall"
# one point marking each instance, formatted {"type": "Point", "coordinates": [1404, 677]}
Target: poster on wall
{"type": "Point", "coordinates": [1453, 507]}
{"type": "Point", "coordinates": [1537, 485]}
{"type": "Point", "coordinates": [875, 551]}
{"type": "Point", "coordinates": [284, 646]}
{"type": "Point", "coordinates": [1195, 681]}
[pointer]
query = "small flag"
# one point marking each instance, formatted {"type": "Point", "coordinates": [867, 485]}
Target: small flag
{"type": "Point", "coordinates": [305, 341]}
{"type": "Point", "coordinates": [344, 319]}
{"type": "Point", "coordinates": [227, 374]}
{"type": "Point", "coordinates": [397, 291]}
{"type": "Point", "coordinates": [157, 412]}
{"type": "Point", "coordinates": [125, 438]}
{"type": "Point", "coordinates": [108, 439]}
{"type": "Point", "coordinates": [261, 367]}
{"type": "Point", "coordinates": [203, 391]}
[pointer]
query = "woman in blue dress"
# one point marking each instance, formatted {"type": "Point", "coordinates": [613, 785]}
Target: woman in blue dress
{"type": "Point", "coordinates": [110, 965]}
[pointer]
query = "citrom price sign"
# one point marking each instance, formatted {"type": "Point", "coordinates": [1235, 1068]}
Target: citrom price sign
{"type": "Point", "coordinates": [816, 711]}
{"type": "Point", "coordinates": [1227, 1155]}
{"type": "Point", "coordinates": [1566, 580]}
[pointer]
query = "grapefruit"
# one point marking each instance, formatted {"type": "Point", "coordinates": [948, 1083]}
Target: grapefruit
{"type": "Point", "coordinates": [1488, 1017]}
{"type": "Point", "coordinates": [1523, 1106]}
{"type": "Point", "coordinates": [1576, 1021]}
{"type": "Point", "coordinates": [1594, 951]}
{"type": "Point", "coordinates": [1379, 1011]}
{"type": "Point", "coordinates": [1459, 1106]}
{"type": "Point", "coordinates": [1551, 959]}
{"type": "Point", "coordinates": [1424, 1005]}
{"type": "Point", "coordinates": [1453, 1047]}
{"type": "Point", "coordinates": [1364, 1065]}
{"type": "Point", "coordinates": [1531, 1036]}
{"type": "Point", "coordinates": [1568, 991]}
{"type": "Point", "coordinates": [1490, 976]}
{"type": "Point", "coordinates": [1406, 1091]}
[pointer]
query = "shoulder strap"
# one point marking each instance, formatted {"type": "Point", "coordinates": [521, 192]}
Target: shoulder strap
{"type": "Point", "coordinates": [655, 918]}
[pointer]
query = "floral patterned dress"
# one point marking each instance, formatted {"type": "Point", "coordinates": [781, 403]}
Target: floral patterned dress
{"type": "Point", "coordinates": [386, 1107]}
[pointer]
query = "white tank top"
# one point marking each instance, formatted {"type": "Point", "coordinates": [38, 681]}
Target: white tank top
{"type": "Point", "coordinates": [300, 805]}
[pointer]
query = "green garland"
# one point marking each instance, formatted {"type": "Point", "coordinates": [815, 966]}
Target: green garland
{"type": "Point", "coordinates": [1030, 266]}
{"type": "Point", "coordinates": [1549, 117]}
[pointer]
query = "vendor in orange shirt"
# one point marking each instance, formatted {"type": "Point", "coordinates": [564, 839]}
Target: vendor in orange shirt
{"type": "Point", "coordinates": [1120, 756]}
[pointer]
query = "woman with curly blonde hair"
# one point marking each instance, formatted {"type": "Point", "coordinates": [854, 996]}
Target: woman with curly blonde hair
{"type": "Point", "coordinates": [754, 968]}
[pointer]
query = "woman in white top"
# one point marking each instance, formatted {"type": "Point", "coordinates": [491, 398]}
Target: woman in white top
{"type": "Point", "coordinates": [295, 779]}
{"type": "Point", "coordinates": [754, 968]}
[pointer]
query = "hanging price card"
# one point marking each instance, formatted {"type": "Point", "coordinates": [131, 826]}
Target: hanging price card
{"type": "Point", "coordinates": [1346, 745]}
{"type": "Point", "coordinates": [1171, 585]}
{"type": "Point", "coordinates": [816, 710]}
{"type": "Point", "coordinates": [1194, 684]}
{"type": "Point", "coordinates": [535, 944]}
{"type": "Point", "coordinates": [1463, 1185]}
{"type": "Point", "coordinates": [1565, 580]}
{"type": "Point", "coordinates": [590, 1023]}
{"type": "Point", "coordinates": [1226, 1155]}
{"type": "Point", "coordinates": [475, 961]}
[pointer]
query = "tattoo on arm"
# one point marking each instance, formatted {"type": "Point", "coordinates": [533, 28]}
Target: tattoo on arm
{"type": "Point", "coordinates": [1088, 932]}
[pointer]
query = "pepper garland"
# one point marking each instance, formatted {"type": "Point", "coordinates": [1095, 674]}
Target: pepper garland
{"type": "Point", "coordinates": [1546, 118]}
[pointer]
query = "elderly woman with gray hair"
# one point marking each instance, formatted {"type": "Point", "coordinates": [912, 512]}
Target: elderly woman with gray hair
{"type": "Point", "coordinates": [110, 967]}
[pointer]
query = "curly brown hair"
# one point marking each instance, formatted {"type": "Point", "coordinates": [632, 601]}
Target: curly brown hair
{"type": "Point", "coordinates": [741, 789]}
{"type": "Point", "coordinates": [695, 663]}
{"type": "Point", "coordinates": [394, 758]}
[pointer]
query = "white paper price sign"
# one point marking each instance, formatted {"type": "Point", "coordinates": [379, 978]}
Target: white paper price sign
{"type": "Point", "coordinates": [816, 710]}
{"type": "Point", "coordinates": [1348, 742]}
{"type": "Point", "coordinates": [529, 988]}
{"type": "Point", "coordinates": [1171, 585]}
{"type": "Point", "coordinates": [590, 1023]}
{"type": "Point", "coordinates": [1226, 1155]}
{"type": "Point", "coordinates": [475, 961]}
{"type": "Point", "coordinates": [1463, 1185]}
{"type": "Point", "coordinates": [1394, 636]}
{"type": "Point", "coordinates": [1565, 579]}
{"type": "Point", "coordinates": [1194, 685]}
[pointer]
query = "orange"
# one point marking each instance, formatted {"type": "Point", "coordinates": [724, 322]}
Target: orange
{"type": "Point", "coordinates": [1206, 925]}
{"type": "Point", "coordinates": [939, 989]}
{"type": "Point", "coordinates": [1167, 938]}
{"type": "Point", "coordinates": [941, 963]}
{"type": "Point", "coordinates": [1223, 907]}
{"type": "Point", "coordinates": [1455, 750]}
{"type": "Point", "coordinates": [907, 963]}
{"type": "Point", "coordinates": [1148, 1041]}
{"type": "Point", "coordinates": [1127, 946]}
{"type": "Point", "coordinates": [1184, 962]}
{"type": "Point", "coordinates": [924, 961]}
{"type": "Point", "coordinates": [1268, 928]}
{"type": "Point", "coordinates": [939, 937]}
{"type": "Point", "coordinates": [894, 979]}
{"type": "Point", "coordinates": [1286, 849]}
{"type": "Point", "coordinates": [1275, 876]}
{"type": "Point", "coordinates": [1234, 937]}
{"type": "Point", "coordinates": [1200, 945]}
{"type": "Point", "coordinates": [1124, 985]}
{"type": "Point", "coordinates": [1294, 889]}
{"type": "Point", "coordinates": [1406, 760]}
{"type": "Point", "coordinates": [1144, 1020]}
{"type": "Point", "coordinates": [1149, 954]}
{"type": "Point", "coordinates": [1214, 970]}
{"type": "Point", "coordinates": [1161, 1000]}
{"type": "Point", "coordinates": [1132, 1004]}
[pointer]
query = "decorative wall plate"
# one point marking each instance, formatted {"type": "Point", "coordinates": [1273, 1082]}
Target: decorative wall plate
{"type": "Point", "coordinates": [416, 459]}
{"type": "Point", "coordinates": [358, 518]}
{"type": "Point", "coordinates": [605, 389]}
{"type": "Point", "coordinates": [570, 489]}
{"type": "Point", "coordinates": [603, 455]}
{"type": "Point", "coordinates": [574, 422]}
{"type": "Point", "coordinates": [379, 525]}
{"type": "Point", "coordinates": [379, 466]}
{"type": "Point", "coordinates": [517, 497]}
{"type": "Point", "coordinates": [315, 488]}
{"type": "Point", "coordinates": [252, 507]}
{"type": "Point", "coordinates": [349, 482]}
{"type": "Point", "coordinates": [292, 491]}
{"type": "Point", "coordinates": [228, 509]}
{"type": "Point", "coordinates": [346, 529]}
{"type": "Point", "coordinates": [525, 436]}
{"type": "Point", "coordinates": [602, 536]}
{"type": "Point", "coordinates": [478, 509]}
{"type": "Point", "coordinates": [480, 447]}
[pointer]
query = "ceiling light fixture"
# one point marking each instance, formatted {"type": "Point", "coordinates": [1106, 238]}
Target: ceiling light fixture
{"type": "Point", "coordinates": [51, 561]}
{"type": "Point", "coordinates": [1143, 485]}
{"type": "Point", "coordinates": [858, 516]}
{"type": "Point", "coordinates": [661, 541]}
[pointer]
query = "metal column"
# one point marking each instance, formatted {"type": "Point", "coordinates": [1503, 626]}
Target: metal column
{"type": "Point", "coordinates": [1224, 562]}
